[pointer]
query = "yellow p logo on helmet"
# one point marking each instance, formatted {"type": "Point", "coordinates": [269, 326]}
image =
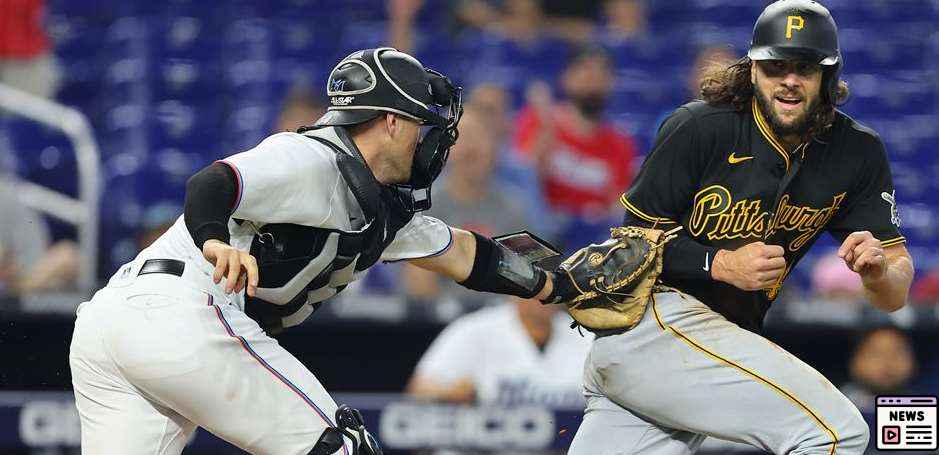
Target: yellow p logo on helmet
{"type": "Point", "coordinates": [793, 23]}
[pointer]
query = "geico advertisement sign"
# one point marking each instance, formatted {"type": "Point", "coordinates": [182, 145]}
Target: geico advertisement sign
{"type": "Point", "coordinates": [411, 425]}
{"type": "Point", "coordinates": [49, 423]}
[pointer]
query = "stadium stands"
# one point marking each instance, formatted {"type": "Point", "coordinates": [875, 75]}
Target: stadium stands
{"type": "Point", "coordinates": [171, 86]}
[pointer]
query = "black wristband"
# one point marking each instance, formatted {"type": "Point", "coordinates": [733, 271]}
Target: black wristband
{"type": "Point", "coordinates": [501, 271]}
{"type": "Point", "coordinates": [562, 289]}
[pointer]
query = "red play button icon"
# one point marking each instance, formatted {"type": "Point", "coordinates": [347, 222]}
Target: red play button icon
{"type": "Point", "coordinates": [891, 435]}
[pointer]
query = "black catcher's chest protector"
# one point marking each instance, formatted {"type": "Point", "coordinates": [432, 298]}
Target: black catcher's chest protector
{"type": "Point", "coordinates": [301, 266]}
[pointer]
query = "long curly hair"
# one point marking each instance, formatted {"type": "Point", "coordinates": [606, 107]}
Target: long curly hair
{"type": "Point", "coordinates": [731, 85]}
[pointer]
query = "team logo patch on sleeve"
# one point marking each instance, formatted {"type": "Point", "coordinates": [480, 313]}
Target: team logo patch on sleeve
{"type": "Point", "coordinates": [894, 212]}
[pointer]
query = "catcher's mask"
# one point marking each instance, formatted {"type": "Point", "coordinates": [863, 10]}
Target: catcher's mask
{"type": "Point", "coordinates": [371, 82]}
{"type": "Point", "coordinates": [800, 30]}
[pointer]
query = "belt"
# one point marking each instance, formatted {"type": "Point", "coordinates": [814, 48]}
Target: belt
{"type": "Point", "coordinates": [168, 266]}
{"type": "Point", "coordinates": [600, 333]}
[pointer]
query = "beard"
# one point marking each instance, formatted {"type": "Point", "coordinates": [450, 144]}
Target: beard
{"type": "Point", "coordinates": [591, 106]}
{"type": "Point", "coordinates": [798, 127]}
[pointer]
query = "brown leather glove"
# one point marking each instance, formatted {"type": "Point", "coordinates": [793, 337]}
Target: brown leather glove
{"type": "Point", "coordinates": [614, 279]}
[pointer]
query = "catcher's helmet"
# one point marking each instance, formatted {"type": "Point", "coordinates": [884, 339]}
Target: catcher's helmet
{"type": "Point", "coordinates": [799, 30]}
{"type": "Point", "coordinates": [371, 82]}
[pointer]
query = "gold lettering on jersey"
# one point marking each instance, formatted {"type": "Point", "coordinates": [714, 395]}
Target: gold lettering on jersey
{"type": "Point", "coordinates": [709, 203]}
{"type": "Point", "coordinates": [773, 291]}
{"type": "Point", "coordinates": [807, 221]}
{"type": "Point", "coordinates": [716, 216]}
{"type": "Point", "coordinates": [793, 23]}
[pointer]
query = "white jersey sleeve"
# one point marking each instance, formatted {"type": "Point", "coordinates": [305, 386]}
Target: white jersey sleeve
{"type": "Point", "coordinates": [287, 178]}
{"type": "Point", "coordinates": [423, 236]}
{"type": "Point", "coordinates": [454, 354]}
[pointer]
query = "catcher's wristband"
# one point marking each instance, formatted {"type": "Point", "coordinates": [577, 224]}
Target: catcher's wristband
{"type": "Point", "coordinates": [563, 289]}
{"type": "Point", "coordinates": [498, 270]}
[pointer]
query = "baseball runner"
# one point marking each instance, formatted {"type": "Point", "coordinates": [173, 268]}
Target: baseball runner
{"type": "Point", "coordinates": [179, 336]}
{"type": "Point", "coordinates": [751, 176]}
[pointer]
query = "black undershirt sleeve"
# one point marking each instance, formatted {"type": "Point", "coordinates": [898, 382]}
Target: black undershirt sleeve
{"type": "Point", "coordinates": [683, 258]}
{"type": "Point", "coordinates": [210, 194]}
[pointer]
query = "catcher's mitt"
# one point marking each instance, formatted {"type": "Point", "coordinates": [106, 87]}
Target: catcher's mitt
{"type": "Point", "coordinates": [615, 278]}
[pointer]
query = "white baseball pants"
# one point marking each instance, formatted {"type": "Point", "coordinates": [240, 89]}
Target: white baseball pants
{"type": "Point", "coordinates": [153, 356]}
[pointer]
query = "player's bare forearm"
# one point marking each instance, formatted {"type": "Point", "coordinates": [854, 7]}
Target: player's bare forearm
{"type": "Point", "coordinates": [458, 262]}
{"type": "Point", "coordinates": [886, 272]}
{"type": "Point", "coordinates": [424, 388]}
{"type": "Point", "coordinates": [889, 292]}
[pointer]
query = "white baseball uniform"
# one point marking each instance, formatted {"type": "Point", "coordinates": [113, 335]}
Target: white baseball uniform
{"type": "Point", "coordinates": [491, 348]}
{"type": "Point", "coordinates": [155, 355]}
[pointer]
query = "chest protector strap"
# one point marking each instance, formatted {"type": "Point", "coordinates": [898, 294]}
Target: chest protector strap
{"type": "Point", "coordinates": [300, 266]}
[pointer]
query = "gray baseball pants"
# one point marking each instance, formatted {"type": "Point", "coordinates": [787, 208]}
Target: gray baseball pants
{"type": "Point", "coordinates": [685, 373]}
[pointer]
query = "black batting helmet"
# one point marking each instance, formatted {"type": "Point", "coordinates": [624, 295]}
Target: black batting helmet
{"type": "Point", "coordinates": [799, 30]}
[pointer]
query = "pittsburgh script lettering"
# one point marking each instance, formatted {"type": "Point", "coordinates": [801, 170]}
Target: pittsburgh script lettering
{"type": "Point", "coordinates": [718, 217]}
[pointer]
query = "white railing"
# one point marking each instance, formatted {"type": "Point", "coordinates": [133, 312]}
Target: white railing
{"type": "Point", "coordinates": [83, 210]}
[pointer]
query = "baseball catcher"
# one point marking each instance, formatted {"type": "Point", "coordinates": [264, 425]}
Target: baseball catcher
{"type": "Point", "coordinates": [180, 336]}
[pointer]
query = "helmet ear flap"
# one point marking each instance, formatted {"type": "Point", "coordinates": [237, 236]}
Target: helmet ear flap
{"type": "Point", "coordinates": [830, 78]}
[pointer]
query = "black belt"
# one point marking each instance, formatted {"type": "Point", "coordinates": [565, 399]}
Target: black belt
{"type": "Point", "coordinates": [600, 333]}
{"type": "Point", "coordinates": [170, 266]}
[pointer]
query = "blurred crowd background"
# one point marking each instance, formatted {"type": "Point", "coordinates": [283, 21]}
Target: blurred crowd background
{"type": "Point", "coordinates": [563, 101]}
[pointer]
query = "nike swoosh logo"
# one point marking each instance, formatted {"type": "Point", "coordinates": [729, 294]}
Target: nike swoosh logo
{"type": "Point", "coordinates": [707, 256]}
{"type": "Point", "coordinates": [734, 159]}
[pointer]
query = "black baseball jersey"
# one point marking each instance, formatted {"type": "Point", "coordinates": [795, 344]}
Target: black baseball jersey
{"type": "Point", "coordinates": [726, 178]}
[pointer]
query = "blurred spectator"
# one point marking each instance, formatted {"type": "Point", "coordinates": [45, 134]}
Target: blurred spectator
{"type": "Point", "coordinates": [401, 17]}
{"type": "Point", "coordinates": [469, 198]}
{"type": "Point", "coordinates": [584, 163]}
{"type": "Point", "coordinates": [926, 288]}
{"type": "Point", "coordinates": [523, 21]}
{"type": "Point", "coordinates": [626, 21]}
{"type": "Point", "coordinates": [883, 364]}
{"type": "Point", "coordinates": [28, 262]}
{"type": "Point", "coordinates": [514, 354]}
{"type": "Point", "coordinates": [477, 14]}
{"type": "Point", "coordinates": [301, 108]}
{"type": "Point", "coordinates": [516, 176]}
{"type": "Point", "coordinates": [26, 61]}
{"type": "Point", "coordinates": [492, 102]}
{"type": "Point", "coordinates": [833, 280]}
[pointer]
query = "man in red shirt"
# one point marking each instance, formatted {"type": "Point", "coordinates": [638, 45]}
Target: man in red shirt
{"type": "Point", "coordinates": [26, 62]}
{"type": "Point", "coordinates": [582, 160]}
